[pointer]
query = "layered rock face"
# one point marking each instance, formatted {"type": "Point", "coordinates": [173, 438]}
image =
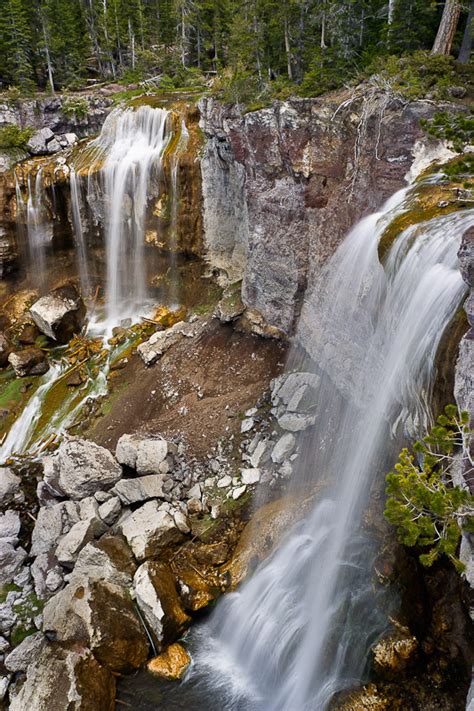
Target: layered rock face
{"type": "Point", "coordinates": [282, 185]}
{"type": "Point", "coordinates": [57, 113]}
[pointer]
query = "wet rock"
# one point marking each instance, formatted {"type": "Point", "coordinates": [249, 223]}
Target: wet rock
{"type": "Point", "coordinates": [145, 454]}
{"type": "Point", "coordinates": [156, 595]}
{"type": "Point", "coordinates": [394, 653]}
{"type": "Point", "coordinates": [51, 476]}
{"type": "Point", "coordinates": [30, 361]}
{"type": "Point", "coordinates": [5, 349]}
{"type": "Point", "coordinates": [295, 390]}
{"type": "Point", "coordinates": [131, 491]}
{"type": "Point", "coordinates": [367, 699]}
{"type": "Point", "coordinates": [149, 529]}
{"type": "Point", "coordinates": [101, 616]}
{"type": "Point", "coordinates": [283, 448]}
{"type": "Point", "coordinates": [172, 664]}
{"type": "Point", "coordinates": [261, 535]}
{"type": "Point", "coordinates": [74, 541]}
{"type": "Point", "coordinates": [28, 334]}
{"type": "Point", "coordinates": [85, 467]}
{"type": "Point", "coordinates": [52, 523]}
{"type": "Point", "coordinates": [10, 487]}
{"type": "Point", "coordinates": [26, 652]}
{"type": "Point", "coordinates": [11, 560]}
{"type": "Point", "coordinates": [65, 680]}
{"type": "Point", "coordinates": [294, 422]}
{"type": "Point", "coordinates": [60, 314]}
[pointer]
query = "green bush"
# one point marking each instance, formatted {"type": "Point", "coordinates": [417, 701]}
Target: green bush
{"type": "Point", "coordinates": [423, 502]}
{"type": "Point", "coordinates": [75, 107]}
{"type": "Point", "coordinates": [456, 128]}
{"type": "Point", "coordinates": [12, 136]}
{"type": "Point", "coordinates": [420, 74]}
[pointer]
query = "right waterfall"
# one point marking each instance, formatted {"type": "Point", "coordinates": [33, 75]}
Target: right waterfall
{"type": "Point", "coordinates": [300, 629]}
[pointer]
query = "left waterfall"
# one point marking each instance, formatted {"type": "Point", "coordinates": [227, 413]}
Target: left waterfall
{"type": "Point", "coordinates": [129, 153]}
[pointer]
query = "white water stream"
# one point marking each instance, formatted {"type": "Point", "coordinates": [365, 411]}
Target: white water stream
{"type": "Point", "coordinates": [300, 629]}
{"type": "Point", "coordinates": [132, 144]}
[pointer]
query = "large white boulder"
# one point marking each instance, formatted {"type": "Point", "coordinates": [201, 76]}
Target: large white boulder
{"type": "Point", "coordinates": [85, 467]}
{"type": "Point", "coordinates": [60, 314]}
{"type": "Point", "coordinates": [149, 529]}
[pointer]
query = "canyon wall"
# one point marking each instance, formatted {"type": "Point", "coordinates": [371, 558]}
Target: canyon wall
{"type": "Point", "coordinates": [282, 185]}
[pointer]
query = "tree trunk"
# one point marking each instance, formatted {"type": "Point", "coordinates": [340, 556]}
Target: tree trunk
{"type": "Point", "coordinates": [466, 45]}
{"type": "Point", "coordinates": [447, 27]}
{"type": "Point", "coordinates": [48, 57]}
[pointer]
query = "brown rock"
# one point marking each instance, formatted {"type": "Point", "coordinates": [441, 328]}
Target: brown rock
{"type": "Point", "coordinates": [394, 653]}
{"type": "Point", "coordinates": [5, 349]}
{"type": "Point", "coordinates": [28, 334]}
{"type": "Point", "coordinates": [101, 616]}
{"type": "Point", "coordinates": [171, 664]}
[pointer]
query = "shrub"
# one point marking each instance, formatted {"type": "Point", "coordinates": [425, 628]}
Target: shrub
{"type": "Point", "coordinates": [75, 107]}
{"type": "Point", "coordinates": [423, 502]}
{"type": "Point", "coordinates": [12, 136]}
{"type": "Point", "coordinates": [456, 128]}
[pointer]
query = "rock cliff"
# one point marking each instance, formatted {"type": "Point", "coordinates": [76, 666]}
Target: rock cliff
{"type": "Point", "coordinates": [282, 185]}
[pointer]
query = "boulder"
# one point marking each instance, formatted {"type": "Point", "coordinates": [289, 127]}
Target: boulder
{"type": "Point", "coordinates": [109, 559]}
{"type": "Point", "coordinates": [47, 575]}
{"type": "Point", "coordinates": [295, 390]}
{"type": "Point", "coordinates": [10, 525]}
{"type": "Point", "coordinates": [172, 664]}
{"type": "Point", "coordinates": [43, 142]}
{"type": "Point", "coordinates": [10, 488]}
{"type": "Point", "coordinates": [231, 306]}
{"type": "Point", "coordinates": [283, 448]}
{"type": "Point", "coordinates": [65, 680]}
{"type": "Point", "coordinates": [110, 510]}
{"type": "Point", "coordinates": [156, 595]}
{"type": "Point", "coordinates": [101, 616]}
{"type": "Point", "coordinates": [60, 314]}
{"type": "Point", "coordinates": [250, 476]}
{"type": "Point", "coordinates": [394, 653]}
{"type": "Point", "coordinates": [21, 657]}
{"type": "Point", "coordinates": [150, 351]}
{"type": "Point", "coordinates": [52, 523]}
{"type": "Point", "coordinates": [74, 541]}
{"type": "Point", "coordinates": [30, 361]}
{"type": "Point", "coordinates": [85, 467]}
{"type": "Point", "coordinates": [295, 422]}
{"type": "Point", "coordinates": [131, 491]}
{"type": "Point", "coordinates": [149, 529]}
{"type": "Point", "coordinates": [145, 454]}
{"type": "Point", "coordinates": [11, 560]}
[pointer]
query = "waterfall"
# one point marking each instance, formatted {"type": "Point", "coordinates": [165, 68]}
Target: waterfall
{"type": "Point", "coordinates": [80, 242]}
{"type": "Point", "coordinates": [173, 229]}
{"type": "Point", "coordinates": [300, 629]}
{"type": "Point", "coordinates": [131, 144]}
{"type": "Point", "coordinates": [38, 229]}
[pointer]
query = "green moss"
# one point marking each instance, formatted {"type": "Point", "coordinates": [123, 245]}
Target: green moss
{"type": "Point", "coordinates": [19, 633]}
{"type": "Point", "coordinates": [7, 589]}
{"type": "Point", "coordinates": [458, 129]}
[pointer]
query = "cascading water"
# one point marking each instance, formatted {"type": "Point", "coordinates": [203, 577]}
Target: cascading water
{"type": "Point", "coordinates": [300, 629]}
{"type": "Point", "coordinates": [81, 247]}
{"type": "Point", "coordinates": [38, 228]}
{"type": "Point", "coordinates": [131, 144]}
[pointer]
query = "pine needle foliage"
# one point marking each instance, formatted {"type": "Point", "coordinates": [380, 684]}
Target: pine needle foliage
{"type": "Point", "coordinates": [428, 509]}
